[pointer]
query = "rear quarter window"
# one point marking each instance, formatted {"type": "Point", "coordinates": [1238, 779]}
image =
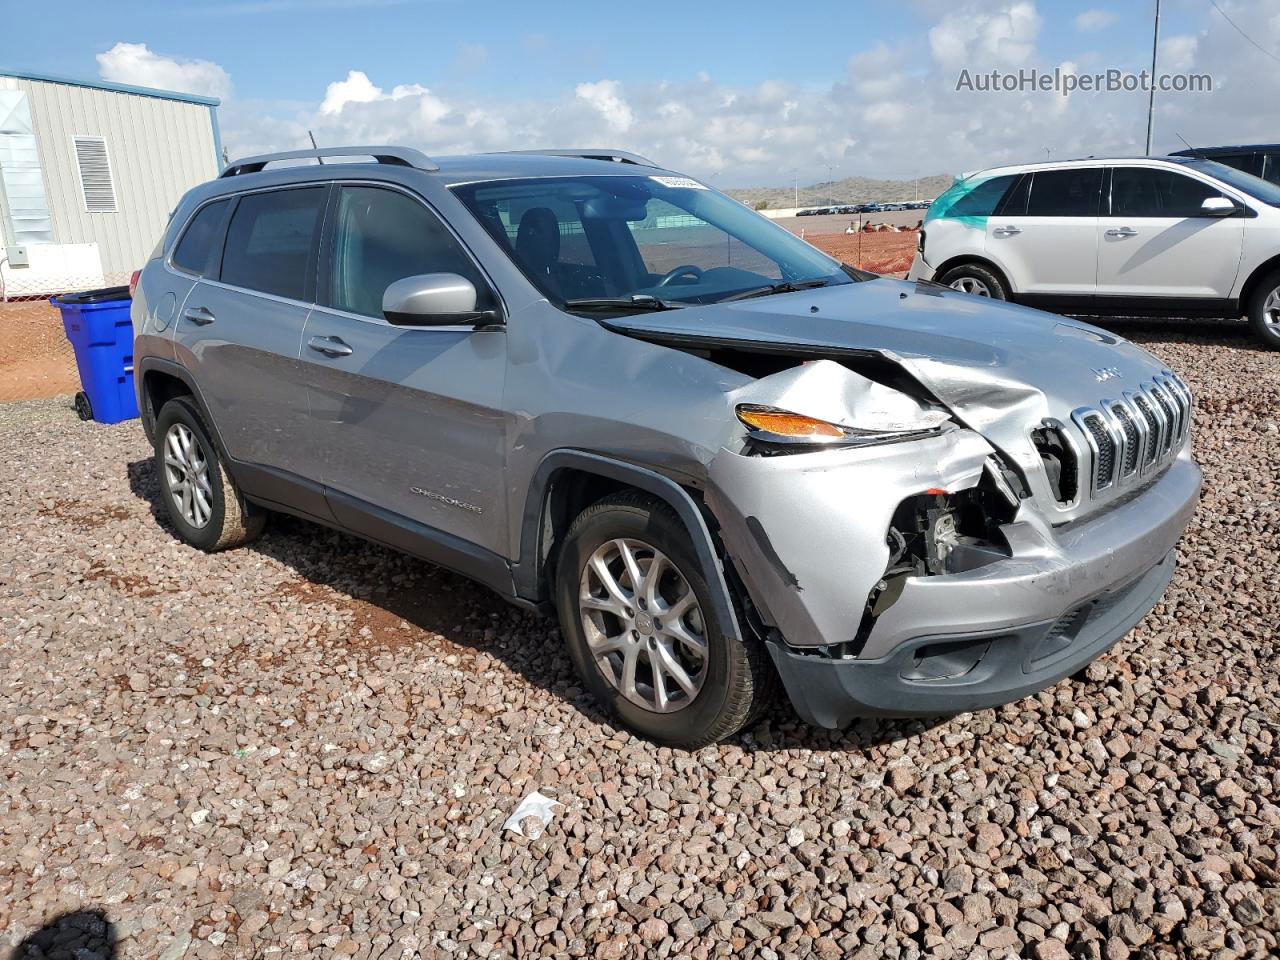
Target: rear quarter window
{"type": "Point", "coordinates": [194, 251]}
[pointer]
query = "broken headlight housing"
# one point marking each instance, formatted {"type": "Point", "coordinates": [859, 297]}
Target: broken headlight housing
{"type": "Point", "coordinates": [771, 425]}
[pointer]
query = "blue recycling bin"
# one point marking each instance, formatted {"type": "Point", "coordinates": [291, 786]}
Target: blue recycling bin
{"type": "Point", "coordinates": [97, 324]}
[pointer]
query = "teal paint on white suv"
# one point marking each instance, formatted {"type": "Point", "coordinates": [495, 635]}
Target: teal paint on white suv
{"type": "Point", "coordinates": [1150, 235]}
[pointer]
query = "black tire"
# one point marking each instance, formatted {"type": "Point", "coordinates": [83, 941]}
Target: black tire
{"type": "Point", "coordinates": [1268, 333]}
{"type": "Point", "coordinates": [738, 677]}
{"type": "Point", "coordinates": [981, 277]}
{"type": "Point", "coordinates": [231, 520]}
{"type": "Point", "coordinates": [84, 409]}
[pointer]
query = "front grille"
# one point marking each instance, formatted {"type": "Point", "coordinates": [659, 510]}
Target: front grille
{"type": "Point", "coordinates": [1136, 435]}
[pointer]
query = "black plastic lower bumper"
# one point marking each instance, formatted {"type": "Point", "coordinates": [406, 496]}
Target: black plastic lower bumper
{"type": "Point", "coordinates": [942, 675]}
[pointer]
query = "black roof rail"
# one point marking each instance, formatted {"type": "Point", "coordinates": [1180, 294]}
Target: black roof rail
{"type": "Point", "coordinates": [594, 153]}
{"type": "Point", "coordinates": [395, 156]}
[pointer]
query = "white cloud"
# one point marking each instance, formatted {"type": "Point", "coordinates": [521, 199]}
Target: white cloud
{"type": "Point", "coordinates": [358, 88]}
{"type": "Point", "coordinates": [1177, 53]}
{"type": "Point", "coordinates": [606, 99]}
{"type": "Point", "coordinates": [984, 38]}
{"type": "Point", "coordinates": [1091, 20]}
{"type": "Point", "coordinates": [135, 63]}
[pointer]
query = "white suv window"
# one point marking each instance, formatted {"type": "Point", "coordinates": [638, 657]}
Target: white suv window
{"type": "Point", "coordinates": [1064, 193]}
{"type": "Point", "coordinates": [1144, 192]}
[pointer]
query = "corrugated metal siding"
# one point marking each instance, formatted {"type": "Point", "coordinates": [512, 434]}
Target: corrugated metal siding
{"type": "Point", "coordinates": [159, 149]}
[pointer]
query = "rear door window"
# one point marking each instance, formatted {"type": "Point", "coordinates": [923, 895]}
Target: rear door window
{"type": "Point", "coordinates": [271, 241]}
{"type": "Point", "coordinates": [1065, 193]}
{"type": "Point", "coordinates": [196, 251]}
{"type": "Point", "coordinates": [1144, 192]}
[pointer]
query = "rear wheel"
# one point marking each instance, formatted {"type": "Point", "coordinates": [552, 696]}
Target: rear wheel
{"type": "Point", "coordinates": [637, 615]}
{"type": "Point", "coordinates": [975, 279]}
{"type": "Point", "coordinates": [1264, 311]}
{"type": "Point", "coordinates": [203, 502]}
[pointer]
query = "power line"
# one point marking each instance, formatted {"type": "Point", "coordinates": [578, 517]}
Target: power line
{"type": "Point", "coordinates": [1237, 29]}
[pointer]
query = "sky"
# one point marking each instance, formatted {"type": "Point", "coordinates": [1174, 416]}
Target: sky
{"type": "Point", "coordinates": [740, 94]}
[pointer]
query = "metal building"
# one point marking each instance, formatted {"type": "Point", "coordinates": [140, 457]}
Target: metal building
{"type": "Point", "coordinates": [89, 172]}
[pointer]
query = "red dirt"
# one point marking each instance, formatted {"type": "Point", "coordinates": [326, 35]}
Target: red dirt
{"type": "Point", "coordinates": [888, 253]}
{"type": "Point", "coordinates": [35, 358]}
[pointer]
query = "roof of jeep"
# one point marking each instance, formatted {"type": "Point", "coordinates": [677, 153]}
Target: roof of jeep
{"type": "Point", "coordinates": [449, 172]}
{"type": "Point", "coordinates": [516, 166]}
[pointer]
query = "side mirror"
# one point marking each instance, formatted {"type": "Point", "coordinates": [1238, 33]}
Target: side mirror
{"type": "Point", "coordinates": [1217, 207]}
{"type": "Point", "coordinates": [434, 300]}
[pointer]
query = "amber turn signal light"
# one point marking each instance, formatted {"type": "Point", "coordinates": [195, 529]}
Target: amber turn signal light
{"type": "Point", "coordinates": [790, 425]}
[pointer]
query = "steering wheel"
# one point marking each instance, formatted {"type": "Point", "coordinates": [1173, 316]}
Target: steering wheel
{"type": "Point", "coordinates": [684, 270]}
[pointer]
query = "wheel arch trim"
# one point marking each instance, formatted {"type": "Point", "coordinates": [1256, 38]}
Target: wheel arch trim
{"type": "Point", "coordinates": [1255, 278]}
{"type": "Point", "coordinates": [528, 569]}
{"type": "Point", "coordinates": [149, 365]}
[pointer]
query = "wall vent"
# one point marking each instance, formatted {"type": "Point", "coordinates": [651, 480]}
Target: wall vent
{"type": "Point", "coordinates": [95, 175]}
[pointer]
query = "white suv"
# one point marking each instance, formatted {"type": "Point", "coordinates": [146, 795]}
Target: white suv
{"type": "Point", "coordinates": [1169, 235]}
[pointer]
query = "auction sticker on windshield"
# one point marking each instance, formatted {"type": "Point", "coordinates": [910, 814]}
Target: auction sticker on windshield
{"type": "Point", "coordinates": [686, 183]}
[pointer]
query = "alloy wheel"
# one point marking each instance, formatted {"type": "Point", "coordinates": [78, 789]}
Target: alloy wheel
{"type": "Point", "coordinates": [186, 469]}
{"type": "Point", "coordinates": [971, 285]}
{"type": "Point", "coordinates": [644, 625]}
{"type": "Point", "coordinates": [1271, 311]}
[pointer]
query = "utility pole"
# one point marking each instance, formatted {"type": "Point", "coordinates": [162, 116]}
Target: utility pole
{"type": "Point", "coordinates": [796, 171]}
{"type": "Point", "coordinates": [1151, 94]}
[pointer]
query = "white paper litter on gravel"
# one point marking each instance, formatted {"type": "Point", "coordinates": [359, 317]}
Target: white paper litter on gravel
{"type": "Point", "coordinates": [534, 805]}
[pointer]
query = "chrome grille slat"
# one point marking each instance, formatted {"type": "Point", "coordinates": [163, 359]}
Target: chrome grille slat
{"type": "Point", "coordinates": [1134, 436]}
{"type": "Point", "coordinates": [1153, 430]}
{"type": "Point", "coordinates": [1132, 448]}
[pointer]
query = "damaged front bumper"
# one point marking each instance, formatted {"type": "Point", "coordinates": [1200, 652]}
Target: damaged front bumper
{"type": "Point", "coordinates": [948, 643]}
{"type": "Point", "coordinates": [920, 269]}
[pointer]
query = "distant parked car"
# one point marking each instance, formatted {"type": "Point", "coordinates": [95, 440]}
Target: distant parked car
{"type": "Point", "coordinates": [1150, 235]}
{"type": "Point", "coordinates": [807, 212]}
{"type": "Point", "coordinates": [1261, 159]}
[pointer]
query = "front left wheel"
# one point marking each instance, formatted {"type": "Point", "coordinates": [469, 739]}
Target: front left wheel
{"type": "Point", "coordinates": [203, 502]}
{"type": "Point", "coordinates": [642, 630]}
{"type": "Point", "coordinates": [1264, 311]}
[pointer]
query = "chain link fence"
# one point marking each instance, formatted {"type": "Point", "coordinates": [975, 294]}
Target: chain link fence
{"type": "Point", "coordinates": [36, 360]}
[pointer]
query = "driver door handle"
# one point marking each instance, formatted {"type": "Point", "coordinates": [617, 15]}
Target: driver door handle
{"type": "Point", "coordinates": [200, 316]}
{"type": "Point", "coordinates": [1006, 231]}
{"type": "Point", "coordinates": [1123, 232]}
{"type": "Point", "coordinates": [329, 346]}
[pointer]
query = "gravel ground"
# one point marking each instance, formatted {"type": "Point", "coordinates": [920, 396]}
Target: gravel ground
{"type": "Point", "coordinates": [310, 746]}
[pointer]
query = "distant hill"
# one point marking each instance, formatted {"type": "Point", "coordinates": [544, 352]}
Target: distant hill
{"type": "Point", "coordinates": [848, 190]}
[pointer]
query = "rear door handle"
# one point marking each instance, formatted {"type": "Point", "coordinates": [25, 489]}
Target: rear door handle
{"type": "Point", "coordinates": [1006, 231]}
{"type": "Point", "coordinates": [1123, 232]}
{"type": "Point", "coordinates": [329, 346]}
{"type": "Point", "coordinates": [198, 315]}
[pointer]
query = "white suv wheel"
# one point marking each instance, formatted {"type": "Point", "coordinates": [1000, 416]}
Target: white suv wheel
{"type": "Point", "coordinates": [971, 285]}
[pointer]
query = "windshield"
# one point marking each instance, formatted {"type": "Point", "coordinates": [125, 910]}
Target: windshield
{"type": "Point", "coordinates": [654, 240]}
{"type": "Point", "coordinates": [1255, 187]}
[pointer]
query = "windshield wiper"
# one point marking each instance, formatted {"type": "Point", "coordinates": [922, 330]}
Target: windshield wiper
{"type": "Point", "coordinates": [639, 302]}
{"type": "Point", "coordinates": [786, 286]}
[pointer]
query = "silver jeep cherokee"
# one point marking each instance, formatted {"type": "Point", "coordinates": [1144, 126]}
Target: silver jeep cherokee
{"type": "Point", "coordinates": [723, 457]}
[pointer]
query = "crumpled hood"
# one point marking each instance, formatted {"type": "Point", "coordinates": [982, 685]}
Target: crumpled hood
{"type": "Point", "coordinates": [1001, 368]}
